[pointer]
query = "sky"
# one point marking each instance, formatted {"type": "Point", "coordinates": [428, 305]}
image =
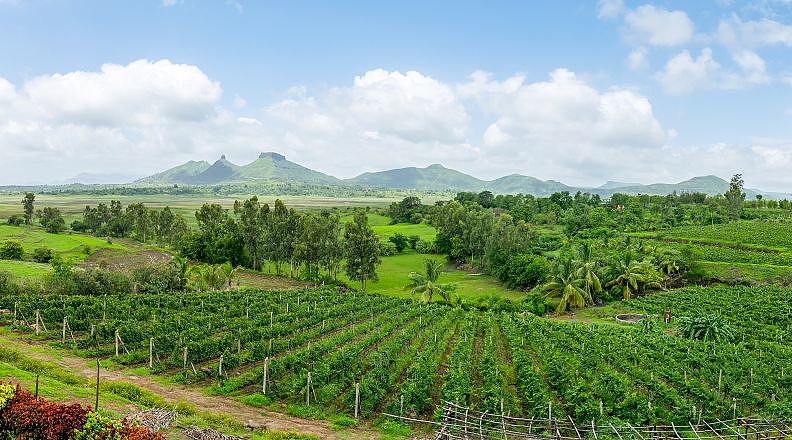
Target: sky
{"type": "Point", "coordinates": [575, 91]}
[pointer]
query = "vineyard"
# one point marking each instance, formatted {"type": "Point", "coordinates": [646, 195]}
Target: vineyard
{"type": "Point", "coordinates": [368, 354]}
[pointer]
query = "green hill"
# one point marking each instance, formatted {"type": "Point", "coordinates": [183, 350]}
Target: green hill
{"type": "Point", "coordinates": [274, 166]}
{"type": "Point", "coordinates": [433, 177]}
{"type": "Point", "coordinates": [517, 183]}
{"type": "Point", "coordinates": [220, 172]}
{"type": "Point", "coordinates": [183, 173]}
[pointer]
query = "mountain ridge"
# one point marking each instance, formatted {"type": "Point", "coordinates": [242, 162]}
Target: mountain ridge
{"type": "Point", "coordinates": [274, 167]}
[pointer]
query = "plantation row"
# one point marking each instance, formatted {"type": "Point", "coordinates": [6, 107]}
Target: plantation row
{"type": "Point", "coordinates": [397, 356]}
{"type": "Point", "coordinates": [725, 254]}
{"type": "Point", "coordinates": [762, 233]}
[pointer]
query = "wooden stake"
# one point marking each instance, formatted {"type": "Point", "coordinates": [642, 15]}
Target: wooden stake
{"type": "Point", "coordinates": [116, 343]}
{"type": "Point", "coordinates": [37, 384]}
{"type": "Point", "coordinates": [151, 352]}
{"type": "Point", "coordinates": [96, 404]}
{"type": "Point", "coordinates": [357, 399]}
{"type": "Point", "coordinates": [63, 337]}
{"type": "Point", "coordinates": [38, 318]}
{"type": "Point", "coordinates": [266, 373]}
{"type": "Point", "coordinates": [185, 357]}
{"type": "Point", "coordinates": [308, 391]}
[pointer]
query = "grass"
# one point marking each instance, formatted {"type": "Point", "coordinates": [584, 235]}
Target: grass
{"type": "Point", "coordinates": [423, 230]}
{"type": "Point", "coordinates": [25, 269]}
{"type": "Point", "coordinates": [393, 277]}
{"type": "Point", "coordinates": [72, 245]}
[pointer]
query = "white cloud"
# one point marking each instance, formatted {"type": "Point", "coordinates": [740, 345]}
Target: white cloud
{"type": "Point", "coordinates": [636, 60]}
{"type": "Point", "coordinates": [683, 73]}
{"type": "Point", "coordinates": [239, 102]}
{"type": "Point", "coordinates": [557, 126]}
{"type": "Point", "coordinates": [169, 3]}
{"type": "Point", "coordinates": [738, 34]}
{"type": "Point", "coordinates": [608, 9]}
{"type": "Point", "coordinates": [656, 26]}
{"type": "Point", "coordinates": [133, 119]}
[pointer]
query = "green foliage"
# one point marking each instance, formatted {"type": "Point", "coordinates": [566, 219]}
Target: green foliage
{"type": "Point", "coordinates": [16, 220]}
{"type": "Point", "coordinates": [51, 219]}
{"type": "Point", "coordinates": [426, 283]}
{"type": "Point", "coordinates": [425, 247]}
{"type": "Point", "coordinates": [98, 426]}
{"type": "Point", "coordinates": [399, 241]}
{"type": "Point", "coordinates": [387, 249]}
{"type": "Point", "coordinates": [42, 255]}
{"type": "Point", "coordinates": [708, 328]}
{"type": "Point", "coordinates": [282, 435]}
{"type": "Point", "coordinates": [361, 249]}
{"type": "Point", "coordinates": [11, 250]}
{"type": "Point", "coordinates": [341, 422]}
{"type": "Point", "coordinates": [256, 400]}
{"type": "Point", "coordinates": [523, 271]}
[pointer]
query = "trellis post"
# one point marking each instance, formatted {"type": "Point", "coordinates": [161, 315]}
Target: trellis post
{"type": "Point", "coordinates": [266, 373]}
{"type": "Point", "coordinates": [116, 340]}
{"type": "Point", "coordinates": [63, 335]}
{"type": "Point", "coordinates": [308, 391]}
{"type": "Point", "coordinates": [357, 400]}
{"type": "Point", "coordinates": [151, 352]}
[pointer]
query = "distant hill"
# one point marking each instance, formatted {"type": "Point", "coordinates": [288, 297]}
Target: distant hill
{"type": "Point", "coordinates": [96, 178]}
{"type": "Point", "coordinates": [183, 173]}
{"type": "Point", "coordinates": [274, 167]}
{"type": "Point", "coordinates": [433, 177]}
{"type": "Point", "coordinates": [267, 167]}
{"type": "Point", "coordinates": [517, 183]}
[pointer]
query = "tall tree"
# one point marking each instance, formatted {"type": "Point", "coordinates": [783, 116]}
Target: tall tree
{"type": "Point", "coordinates": [565, 285]}
{"type": "Point", "coordinates": [27, 205]}
{"type": "Point", "coordinates": [587, 270]}
{"type": "Point", "coordinates": [735, 197]}
{"type": "Point", "coordinates": [361, 249]}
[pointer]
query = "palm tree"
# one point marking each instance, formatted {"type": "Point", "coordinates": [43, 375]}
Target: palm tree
{"type": "Point", "coordinates": [566, 285]}
{"type": "Point", "coordinates": [587, 270]}
{"type": "Point", "coordinates": [426, 283]}
{"type": "Point", "coordinates": [183, 266]}
{"type": "Point", "coordinates": [628, 272]}
{"type": "Point", "coordinates": [229, 272]}
{"type": "Point", "coordinates": [207, 276]}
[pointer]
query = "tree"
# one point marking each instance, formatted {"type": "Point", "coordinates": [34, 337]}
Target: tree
{"type": "Point", "coordinates": [229, 273]}
{"type": "Point", "coordinates": [587, 271]}
{"type": "Point", "coordinates": [633, 275]}
{"type": "Point", "coordinates": [399, 240]}
{"type": "Point", "coordinates": [11, 250]}
{"type": "Point", "coordinates": [182, 266]}
{"type": "Point", "coordinates": [361, 249]}
{"type": "Point", "coordinates": [735, 197]}
{"type": "Point", "coordinates": [27, 205]}
{"type": "Point", "coordinates": [566, 285]}
{"type": "Point", "coordinates": [426, 283]}
{"type": "Point", "coordinates": [51, 219]}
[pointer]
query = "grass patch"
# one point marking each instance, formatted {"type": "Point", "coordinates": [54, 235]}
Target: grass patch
{"type": "Point", "coordinates": [133, 393]}
{"type": "Point", "coordinates": [25, 269]}
{"type": "Point", "coordinates": [305, 412]}
{"type": "Point", "coordinates": [257, 400]}
{"type": "Point", "coordinates": [392, 427]}
{"type": "Point", "coordinates": [343, 422]}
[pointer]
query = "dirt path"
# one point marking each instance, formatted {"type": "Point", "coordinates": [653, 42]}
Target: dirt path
{"type": "Point", "coordinates": [174, 393]}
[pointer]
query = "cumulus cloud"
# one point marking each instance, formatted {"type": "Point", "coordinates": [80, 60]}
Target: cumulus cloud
{"type": "Point", "coordinates": [683, 73]}
{"type": "Point", "coordinates": [563, 123]}
{"type": "Point", "coordinates": [656, 26]}
{"type": "Point", "coordinates": [736, 33]}
{"type": "Point", "coordinates": [384, 118]}
{"type": "Point", "coordinates": [134, 119]}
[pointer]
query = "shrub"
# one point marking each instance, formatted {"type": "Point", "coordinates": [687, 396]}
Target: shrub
{"type": "Point", "coordinates": [11, 250]}
{"type": "Point", "coordinates": [399, 241]}
{"type": "Point", "coordinates": [156, 279]}
{"type": "Point", "coordinates": [6, 393]}
{"type": "Point", "coordinates": [387, 249]}
{"type": "Point", "coordinates": [425, 247]}
{"type": "Point", "coordinates": [98, 426]}
{"type": "Point", "coordinates": [413, 240]}
{"type": "Point", "coordinates": [25, 417]}
{"type": "Point", "coordinates": [523, 270]}
{"type": "Point", "coordinates": [87, 282]}
{"type": "Point", "coordinates": [16, 220]}
{"type": "Point", "coordinates": [42, 255]}
{"type": "Point", "coordinates": [79, 226]}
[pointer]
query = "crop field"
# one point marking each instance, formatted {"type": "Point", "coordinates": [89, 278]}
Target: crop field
{"type": "Point", "coordinates": [408, 357]}
{"type": "Point", "coordinates": [71, 245]}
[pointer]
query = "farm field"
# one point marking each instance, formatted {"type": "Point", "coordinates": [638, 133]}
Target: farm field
{"type": "Point", "coordinates": [72, 206]}
{"type": "Point", "coordinates": [401, 351]}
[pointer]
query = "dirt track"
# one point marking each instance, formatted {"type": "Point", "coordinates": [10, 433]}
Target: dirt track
{"type": "Point", "coordinates": [172, 393]}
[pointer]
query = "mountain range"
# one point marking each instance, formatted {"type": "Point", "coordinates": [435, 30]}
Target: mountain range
{"type": "Point", "coordinates": [274, 167]}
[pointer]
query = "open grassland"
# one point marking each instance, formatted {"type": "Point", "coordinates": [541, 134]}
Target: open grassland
{"type": "Point", "coordinates": [400, 350]}
{"type": "Point", "coordinates": [25, 269]}
{"type": "Point", "coordinates": [73, 245]}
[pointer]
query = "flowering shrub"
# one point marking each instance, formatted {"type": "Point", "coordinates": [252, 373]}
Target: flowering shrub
{"type": "Point", "coordinates": [6, 393]}
{"type": "Point", "coordinates": [23, 416]}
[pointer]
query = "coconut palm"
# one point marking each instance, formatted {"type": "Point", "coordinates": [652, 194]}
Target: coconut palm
{"type": "Point", "coordinates": [182, 265]}
{"type": "Point", "coordinates": [587, 271]}
{"type": "Point", "coordinates": [426, 283]}
{"type": "Point", "coordinates": [632, 275]}
{"type": "Point", "coordinates": [565, 284]}
{"type": "Point", "coordinates": [206, 276]}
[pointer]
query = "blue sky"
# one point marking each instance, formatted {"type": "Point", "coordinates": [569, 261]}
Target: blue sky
{"type": "Point", "coordinates": [574, 91]}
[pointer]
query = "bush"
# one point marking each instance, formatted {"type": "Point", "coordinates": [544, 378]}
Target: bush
{"type": "Point", "coordinates": [425, 247]}
{"type": "Point", "coordinates": [399, 240]}
{"type": "Point", "coordinates": [156, 279]}
{"type": "Point", "coordinates": [16, 220]}
{"type": "Point", "coordinates": [42, 255]}
{"type": "Point", "coordinates": [523, 270]}
{"type": "Point", "coordinates": [11, 250]}
{"type": "Point", "coordinates": [413, 240]}
{"type": "Point", "coordinates": [387, 249]}
{"type": "Point", "coordinates": [79, 226]}
{"type": "Point", "coordinates": [88, 282]}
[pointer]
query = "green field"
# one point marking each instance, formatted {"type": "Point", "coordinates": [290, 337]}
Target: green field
{"type": "Point", "coordinates": [393, 277]}
{"type": "Point", "coordinates": [25, 269]}
{"type": "Point", "coordinates": [68, 244]}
